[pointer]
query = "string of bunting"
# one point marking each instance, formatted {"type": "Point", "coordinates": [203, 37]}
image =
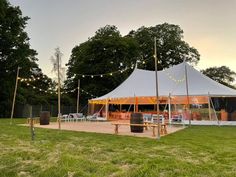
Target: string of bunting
{"type": "Point", "coordinates": [167, 73]}
{"type": "Point", "coordinates": [143, 61]}
{"type": "Point", "coordinates": [174, 79]}
{"type": "Point", "coordinates": [32, 79]}
{"type": "Point", "coordinates": [111, 73]}
{"type": "Point", "coordinates": [171, 77]}
{"type": "Point", "coordinates": [50, 91]}
{"type": "Point", "coordinates": [106, 74]}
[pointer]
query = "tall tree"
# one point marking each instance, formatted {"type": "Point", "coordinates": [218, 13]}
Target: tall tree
{"type": "Point", "coordinates": [14, 51]}
{"type": "Point", "coordinates": [107, 51]}
{"type": "Point", "coordinates": [171, 48]}
{"type": "Point", "coordinates": [223, 75]}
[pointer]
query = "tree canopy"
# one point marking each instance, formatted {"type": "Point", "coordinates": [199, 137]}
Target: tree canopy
{"type": "Point", "coordinates": [107, 51]}
{"type": "Point", "coordinates": [171, 48]}
{"type": "Point", "coordinates": [221, 74]}
{"type": "Point", "coordinates": [15, 51]}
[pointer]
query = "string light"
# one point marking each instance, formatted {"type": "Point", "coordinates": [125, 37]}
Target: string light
{"type": "Point", "coordinates": [54, 91]}
{"type": "Point", "coordinates": [104, 74]}
{"type": "Point", "coordinates": [174, 79]}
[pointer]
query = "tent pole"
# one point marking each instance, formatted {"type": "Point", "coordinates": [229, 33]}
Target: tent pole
{"type": "Point", "coordinates": [107, 107]}
{"type": "Point", "coordinates": [188, 102]}
{"type": "Point", "coordinates": [215, 112]}
{"type": "Point", "coordinates": [169, 108]}
{"type": "Point", "coordinates": [59, 92]}
{"type": "Point", "coordinates": [14, 97]}
{"type": "Point", "coordinates": [209, 106]}
{"type": "Point", "coordinates": [78, 97]}
{"type": "Point", "coordinates": [157, 94]}
{"type": "Point", "coordinates": [134, 103]}
{"type": "Point", "coordinates": [129, 107]}
{"type": "Point", "coordinates": [89, 109]}
{"type": "Point", "coordinates": [92, 108]}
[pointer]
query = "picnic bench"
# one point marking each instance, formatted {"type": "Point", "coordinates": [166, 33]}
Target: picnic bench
{"type": "Point", "coordinates": [163, 127]}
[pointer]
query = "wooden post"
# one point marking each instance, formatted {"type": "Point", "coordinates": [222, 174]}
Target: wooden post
{"type": "Point", "coordinates": [186, 83]}
{"type": "Point", "coordinates": [14, 96]}
{"type": "Point", "coordinates": [107, 109]}
{"type": "Point", "coordinates": [153, 131]}
{"type": "Point", "coordinates": [92, 108]}
{"type": "Point", "coordinates": [31, 124]}
{"type": "Point", "coordinates": [116, 128]}
{"type": "Point", "coordinates": [77, 108]}
{"type": "Point", "coordinates": [59, 90]}
{"type": "Point", "coordinates": [136, 104]}
{"type": "Point", "coordinates": [157, 94]}
{"type": "Point", "coordinates": [169, 108]}
{"type": "Point", "coordinates": [209, 106]}
{"type": "Point", "coordinates": [215, 112]}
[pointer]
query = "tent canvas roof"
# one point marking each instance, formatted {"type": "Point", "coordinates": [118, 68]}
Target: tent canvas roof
{"type": "Point", "coordinates": [141, 83]}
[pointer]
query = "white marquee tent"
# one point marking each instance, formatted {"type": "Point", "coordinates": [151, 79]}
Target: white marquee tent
{"type": "Point", "coordinates": [140, 87]}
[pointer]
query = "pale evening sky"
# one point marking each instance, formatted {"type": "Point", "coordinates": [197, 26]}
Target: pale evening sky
{"type": "Point", "coordinates": [209, 25]}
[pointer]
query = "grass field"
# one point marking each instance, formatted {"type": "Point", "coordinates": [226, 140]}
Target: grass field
{"type": "Point", "coordinates": [194, 151]}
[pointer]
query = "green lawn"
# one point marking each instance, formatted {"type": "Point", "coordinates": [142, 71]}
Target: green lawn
{"type": "Point", "coordinates": [194, 151]}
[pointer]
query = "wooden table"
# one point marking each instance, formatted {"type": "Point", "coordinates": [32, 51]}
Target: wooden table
{"type": "Point", "coordinates": [163, 127]}
{"type": "Point", "coordinates": [139, 125]}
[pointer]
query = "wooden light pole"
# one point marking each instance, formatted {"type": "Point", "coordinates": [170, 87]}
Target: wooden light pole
{"type": "Point", "coordinates": [77, 108]}
{"type": "Point", "coordinates": [186, 83]}
{"type": "Point", "coordinates": [14, 97]}
{"type": "Point", "coordinates": [157, 94]}
{"type": "Point", "coordinates": [59, 90]}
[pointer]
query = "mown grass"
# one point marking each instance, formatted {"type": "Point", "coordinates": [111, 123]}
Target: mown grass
{"type": "Point", "coordinates": [194, 151]}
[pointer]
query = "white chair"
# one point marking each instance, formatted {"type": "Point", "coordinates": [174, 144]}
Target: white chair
{"type": "Point", "coordinates": [156, 120]}
{"type": "Point", "coordinates": [71, 117]}
{"type": "Point", "coordinates": [92, 117]}
{"type": "Point", "coordinates": [177, 118]}
{"type": "Point", "coordinates": [76, 116]}
{"type": "Point", "coordinates": [95, 117]}
{"type": "Point", "coordinates": [80, 117]}
{"type": "Point", "coordinates": [65, 118]}
{"type": "Point", "coordinates": [147, 118]}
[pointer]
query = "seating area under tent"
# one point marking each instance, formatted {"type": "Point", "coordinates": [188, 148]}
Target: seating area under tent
{"type": "Point", "coordinates": [137, 94]}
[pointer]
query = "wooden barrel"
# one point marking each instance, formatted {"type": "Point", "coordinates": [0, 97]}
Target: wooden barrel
{"type": "Point", "coordinates": [224, 115]}
{"type": "Point", "coordinates": [136, 118]}
{"type": "Point", "coordinates": [44, 118]}
{"type": "Point", "coordinates": [233, 116]}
